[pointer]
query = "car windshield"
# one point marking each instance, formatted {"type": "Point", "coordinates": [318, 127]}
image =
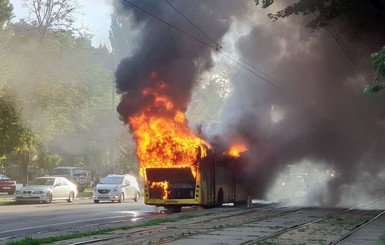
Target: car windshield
{"type": "Point", "coordinates": [60, 172]}
{"type": "Point", "coordinates": [45, 181]}
{"type": "Point", "coordinates": [4, 177]}
{"type": "Point", "coordinates": [112, 180]}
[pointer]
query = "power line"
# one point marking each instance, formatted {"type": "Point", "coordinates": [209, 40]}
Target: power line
{"type": "Point", "coordinates": [197, 27]}
{"type": "Point", "coordinates": [350, 55]}
{"type": "Point", "coordinates": [219, 47]}
{"type": "Point", "coordinates": [206, 44]}
{"type": "Point", "coordinates": [168, 24]}
{"type": "Point", "coordinates": [347, 51]}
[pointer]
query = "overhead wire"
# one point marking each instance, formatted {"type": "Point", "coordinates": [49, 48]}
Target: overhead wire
{"type": "Point", "coordinates": [216, 47]}
{"type": "Point", "coordinates": [197, 27]}
{"type": "Point", "coordinates": [347, 51]}
{"type": "Point", "coordinates": [168, 24]}
{"type": "Point", "coordinates": [220, 46]}
{"type": "Point", "coordinates": [343, 46]}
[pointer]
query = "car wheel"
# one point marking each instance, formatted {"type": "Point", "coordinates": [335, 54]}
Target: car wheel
{"type": "Point", "coordinates": [137, 196]}
{"type": "Point", "coordinates": [71, 197]}
{"type": "Point", "coordinates": [96, 201]}
{"type": "Point", "coordinates": [48, 198]}
{"type": "Point", "coordinates": [121, 197]}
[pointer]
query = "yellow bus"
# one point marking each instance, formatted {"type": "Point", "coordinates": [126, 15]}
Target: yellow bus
{"type": "Point", "coordinates": [217, 179]}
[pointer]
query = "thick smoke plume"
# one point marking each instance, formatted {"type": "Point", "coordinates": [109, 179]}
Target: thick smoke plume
{"type": "Point", "coordinates": [171, 54]}
{"type": "Point", "coordinates": [316, 113]}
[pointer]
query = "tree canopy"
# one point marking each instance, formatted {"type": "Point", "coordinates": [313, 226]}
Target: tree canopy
{"type": "Point", "coordinates": [51, 16]}
{"type": "Point", "coordinates": [6, 12]}
{"type": "Point", "coordinates": [360, 17]}
{"type": "Point", "coordinates": [378, 61]}
{"type": "Point", "coordinates": [357, 14]}
{"type": "Point", "coordinates": [55, 96]}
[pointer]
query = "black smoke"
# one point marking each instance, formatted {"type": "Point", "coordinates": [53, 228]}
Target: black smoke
{"type": "Point", "coordinates": [168, 47]}
{"type": "Point", "coordinates": [320, 112]}
{"type": "Point", "coordinates": [326, 118]}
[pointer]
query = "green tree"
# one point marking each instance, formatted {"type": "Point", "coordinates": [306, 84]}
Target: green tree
{"type": "Point", "coordinates": [6, 12]}
{"type": "Point", "coordinates": [120, 34]}
{"type": "Point", "coordinates": [61, 88]}
{"type": "Point", "coordinates": [52, 16]}
{"type": "Point", "coordinates": [359, 16]}
{"type": "Point", "coordinates": [357, 13]}
{"type": "Point", "coordinates": [378, 61]}
{"type": "Point", "coordinates": [10, 129]}
{"type": "Point", "coordinates": [208, 98]}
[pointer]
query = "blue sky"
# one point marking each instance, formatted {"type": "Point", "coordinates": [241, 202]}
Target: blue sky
{"type": "Point", "coordinates": [96, 17]}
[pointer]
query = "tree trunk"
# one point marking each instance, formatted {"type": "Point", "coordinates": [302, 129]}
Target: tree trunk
{"type": "Point", "coordinates": [24, 167]}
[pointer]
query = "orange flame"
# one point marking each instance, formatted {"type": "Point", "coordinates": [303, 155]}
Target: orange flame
{"type": "Point", "coordinates": [163, 137]}
{"type": "Point", "coordinates": [236, 150]}
{"type": "Point", "coordinates": [163, 186]}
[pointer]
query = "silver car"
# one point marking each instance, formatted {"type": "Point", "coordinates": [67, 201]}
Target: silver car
{"type": "Point", "coordinates": [117, 188]}
{"type": "Point", "coordinates": [47, 189]}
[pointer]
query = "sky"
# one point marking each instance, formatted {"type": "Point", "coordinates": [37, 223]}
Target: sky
{"type": "Point", "coordinates": [95, 16]}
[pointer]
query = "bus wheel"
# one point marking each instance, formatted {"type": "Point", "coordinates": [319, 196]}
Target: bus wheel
{"type": "Point", "coordinates": [240, 204]}
{"type": "Point", "coordinates": [208, 206]}
{"type": "Point", "coordinates": [220, 198]}
{"type": "Point", "coordinates": [173, 209]}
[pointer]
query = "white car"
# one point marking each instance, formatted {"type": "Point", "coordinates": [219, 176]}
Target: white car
{"type": "Point", "coordinates": [47, 189]}
{"type": "Point", "coordinates": [117, 188]}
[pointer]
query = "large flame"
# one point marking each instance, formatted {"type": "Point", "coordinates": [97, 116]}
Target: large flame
{"type": "Point", "coordinates": [162, 134]}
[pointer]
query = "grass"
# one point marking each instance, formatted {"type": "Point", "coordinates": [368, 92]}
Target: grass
{"type": "Point", "coordinates": [7, 200]}
{"type": "Point", "coordinates": [381, 240]}
{"type": "Point", "coordinates": [87, 193]}
{"type": "Point", "coordinates": [48, 240]}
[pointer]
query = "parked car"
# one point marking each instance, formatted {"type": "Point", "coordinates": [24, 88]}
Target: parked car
{"type": "Point", "coordinates": [7, 185]}
{"type": "Point", "coordinates": [79, 176]}
{"type": "Point", "coordinates": [47, 189]}
{"type": "Point", "coordinates": [117, 188]}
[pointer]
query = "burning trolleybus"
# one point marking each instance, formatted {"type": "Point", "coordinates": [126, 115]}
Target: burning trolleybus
{"type": "Point", "coordinates": [178, 167]}
{"type": "Point", "coordinates": [215, 178]}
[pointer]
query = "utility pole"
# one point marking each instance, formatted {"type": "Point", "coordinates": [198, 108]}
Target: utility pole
{"type": "Point", "coordinates": [113, 116]}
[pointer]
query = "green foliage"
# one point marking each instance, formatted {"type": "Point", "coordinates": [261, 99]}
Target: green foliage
{"type": "Point", "coordinates": [372, 89]}
{"type": "Point", "coordinates": [9, 130]}
{"type": "Point", "coordinates": [28, 141]}
{"type": "Point", "coordinates": [378, 61]}
{"type": "Point", "coordinates": [265, 3]}
{"type": "Point", "coordinates": [49, 160]}
{"type": "Point", "coordinates": [381, 240]}
{"type": "Point", "coordinates": [57, 90]}
{"type": "Point", "coordinates": [359, 14]}
{"type": "Point", "coordinates": [51, 17]}
{"type": "Point", "coordinates": [209, 97]}
{"type": "Point", "coordinates": [6, 12]}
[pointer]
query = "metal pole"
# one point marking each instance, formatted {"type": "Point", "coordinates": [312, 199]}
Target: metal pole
{"type": "Point", "coordinates": [113, 146]}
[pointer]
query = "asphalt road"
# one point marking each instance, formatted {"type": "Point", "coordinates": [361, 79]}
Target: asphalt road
{"type": "Point", "coordinates": [18, 221]}
{"type": "Point", "coordinates": [226, 225]}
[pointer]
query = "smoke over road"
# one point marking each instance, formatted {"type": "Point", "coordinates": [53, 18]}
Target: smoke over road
{"type": "Point", "coordinates": [316, 113]}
